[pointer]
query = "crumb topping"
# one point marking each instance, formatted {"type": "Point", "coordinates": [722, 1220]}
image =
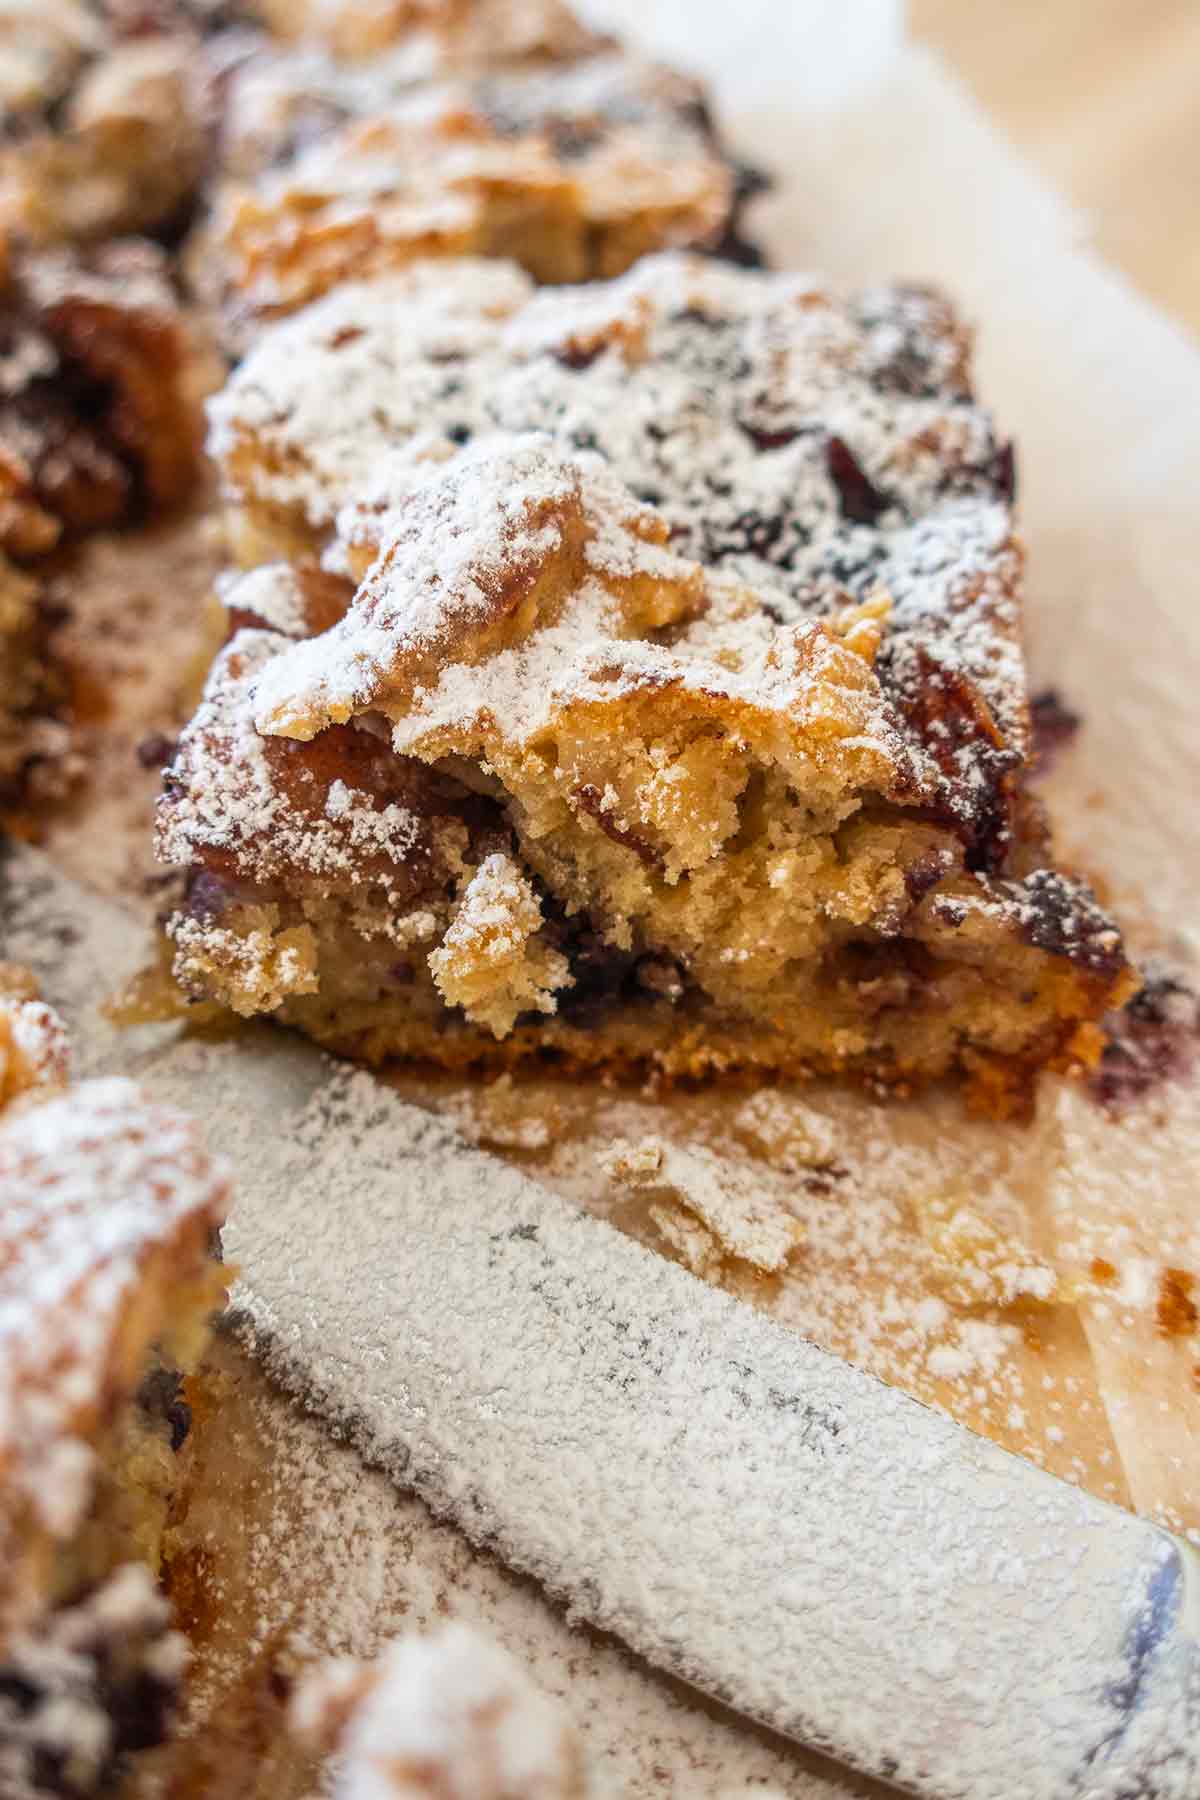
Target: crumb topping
{"type": "Point", "coordinates": [816, 450]}
{"type": "Point", "coordinates": [466, 31]}
{"type": "Point", "coordinates": [281, 101]}
{"type": "Point", "coordinates": [739, 1212]}
{"type": "Point", "coordinates": [573, 173]}
{"type": "Point", "coordinates": [272, 812]}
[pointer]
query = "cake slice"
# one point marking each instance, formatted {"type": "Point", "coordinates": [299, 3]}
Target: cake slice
{"type": "Point", "coordinates": [98, 422]}
{"type": "Point", "coordinates": [353, 60]}
{"type": "Point", "coordinates": [108, 114]}
{"type": "Point", "coordinates": [720, 665]}
{"type": "Point", "coordinates": [573, 162]}
{"type": "Point", "coordinates": [110, 1209]}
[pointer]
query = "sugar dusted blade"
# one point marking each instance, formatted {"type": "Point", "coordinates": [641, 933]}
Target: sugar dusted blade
{"type": "Point", "coordinates": [751, 1514]}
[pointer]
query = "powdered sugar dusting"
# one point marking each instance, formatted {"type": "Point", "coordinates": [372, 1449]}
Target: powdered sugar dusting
{"type": "Point", "coordinates": [575, 164]}
{"type": "Point", "coordinates": [35, 1051]}
{"type": "Point", "coordinates": [545, 1316]}
{"type": "Point", "coordinates": [94, 1183]}
{"type": "Point", "coordinates": [447, 1714]}
{"type": "Point", "coordinates": [462, 534]}
{"type": "Point", "coordinates": [816, 449]}
{"type": "Point", "coordinates": [98, 1677]}
{"type": "Point", "coordinates": [330, 1349]}
{"type": "Point", "coordinates": [468, 546]}
{"type": "Point", "coordinates": [390, 1568]}
{"type": "Point", "coordinates": [242, 808]}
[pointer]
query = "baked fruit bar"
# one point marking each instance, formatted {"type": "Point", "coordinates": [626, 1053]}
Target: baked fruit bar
{"type": "Point", "coordinates": [435, 1717]}
{"type": "Point", "coordinates": [574, 162]}
{"type": "Point", "coordinates": [107, 1284]}
{"type": "Point", "coordinates": [103, 123]}
{"type": "Point", "coordinates": [351, 61]}
{"type": "Point", "coordinates": [98, 422]}
{"type": "Point", "coordinates": [689, 728]}
{"type": "Point", "coordinates": [107, 116]}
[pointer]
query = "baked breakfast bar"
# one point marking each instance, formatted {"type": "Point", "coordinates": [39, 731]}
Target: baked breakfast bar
{"type": "Point", "coordinates": [501, 130]}
{"type": "Point", "coordinates": [638, 681]}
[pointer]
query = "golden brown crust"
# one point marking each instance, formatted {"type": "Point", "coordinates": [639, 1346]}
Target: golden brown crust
{"type": "Point", "coordinates": [465, 32]}
{"type": "Point", "coordinates": [108, 114]}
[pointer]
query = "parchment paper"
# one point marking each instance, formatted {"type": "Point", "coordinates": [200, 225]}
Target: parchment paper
{"type": "Point", "coordinates": [885, 168]}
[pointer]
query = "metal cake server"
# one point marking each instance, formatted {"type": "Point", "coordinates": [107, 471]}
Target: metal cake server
{"type": "Point", "coordinates": [749, 1513]}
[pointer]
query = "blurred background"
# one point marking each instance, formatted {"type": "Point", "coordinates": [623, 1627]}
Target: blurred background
{"type": "Point", "coordinates": [1104, 97]}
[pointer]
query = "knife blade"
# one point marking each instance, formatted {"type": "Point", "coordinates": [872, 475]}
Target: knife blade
{"type": "Point", "coordinates": [749, 1513]}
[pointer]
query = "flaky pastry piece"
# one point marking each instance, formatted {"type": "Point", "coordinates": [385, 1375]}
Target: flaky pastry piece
{"type": "Point", "coordinates": [573, 169]}
{"type": "Point", "coordinates": [445, 1717]}
{"type": "Point", "coordinates": [98, 421]}
{"type": "Point", "coordinates": [723, 846]}
{"type": "Point", "coordinates": [107, 1283]}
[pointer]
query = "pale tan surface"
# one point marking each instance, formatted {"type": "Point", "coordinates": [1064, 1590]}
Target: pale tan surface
{"type": "Point", "coordinates": [1101, 96]}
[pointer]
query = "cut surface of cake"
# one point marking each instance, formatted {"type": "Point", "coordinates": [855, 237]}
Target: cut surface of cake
{"type": "Point", "coordinates": [572, 162]}
{"type": "Point", "coordinates": [107, 1283]}
{"type": "Point", "coordinates": [645, 685]}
